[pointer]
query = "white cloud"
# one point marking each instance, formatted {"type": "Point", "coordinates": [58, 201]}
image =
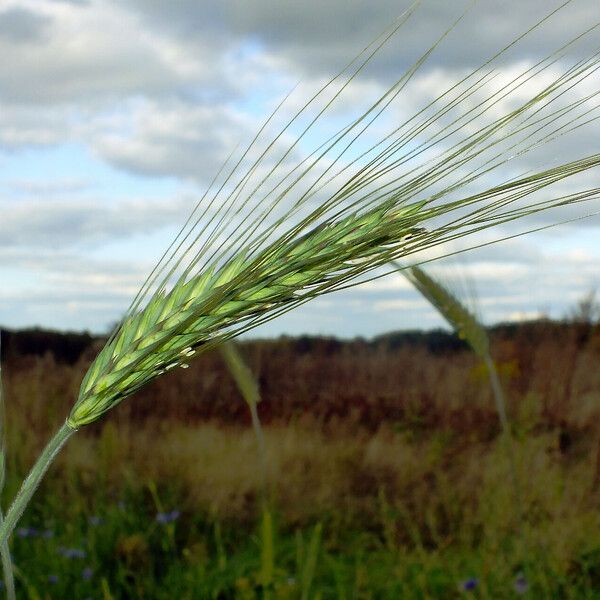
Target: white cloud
{"type": "Point", "coordinates": [49, 188]}
{"type": "Point", "coordinates": [19, 25]}
{"type": "Point", "coordinates": [172, 138]}
{"type": "Point", "coordinates": [393, 305]}
{"type": "Point", "coordinates": [91, 53]}
{"type": "Point", "coordinates": [316, 36]}
{"type": "Point", "coordinates": [521, 316]}
{"type": "Point", "coordinates": [76, 221]}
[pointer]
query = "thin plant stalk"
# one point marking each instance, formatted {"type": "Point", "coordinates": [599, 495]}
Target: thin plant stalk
{"type": "Point", "coordinates": [506, 429]}
{"type": "Point", "coordinates": [510, 453]}
{"type": "Point", "coordinates": [311, 562]}
{"type": "Point", "coordinates": [469, 329]}
{"type": "Point", "coordinates": [7, 564]}
{"type": "Point", "coordinates": [249, 389]}
{"type": "Point", "coordinates": [7, 567]}
{"type": "Point", "coordinates": [33, 480]}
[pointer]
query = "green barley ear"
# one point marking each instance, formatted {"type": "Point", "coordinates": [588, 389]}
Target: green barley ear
{"type": "Point", "coordinates": [248, 387]}
{"type": "Point", "coordinates": [466, 325]}
{"type": "Point", "coordinates": [468, 328]}
{"type": "Point", "coordinates": [199, 311]}
{"type": "Point", "coordinates": [460, 318]}
{"type": "Point", "coordinates": [241, 373]}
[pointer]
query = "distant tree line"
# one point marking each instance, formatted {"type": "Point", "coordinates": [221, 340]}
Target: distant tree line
{"type": "Point", "coordinates": [68, 347]}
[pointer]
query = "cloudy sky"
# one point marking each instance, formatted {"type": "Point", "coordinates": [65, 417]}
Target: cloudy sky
{"type": "Point", "coordinates": [115, 116]}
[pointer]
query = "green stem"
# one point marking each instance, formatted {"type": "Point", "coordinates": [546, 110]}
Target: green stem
{"type": "Point", "coordinates": [32, 481]}
{"type": "Point", "coordinates": [508, 443]}
{"type": "Point", "coordinates": [508, 440]}
{"type": "Point", "coordinates": [262, 452]}
{"type": "Point", "coordinates": [248, 387]}
{"type": "Point", "coordinates": [7, 572]}
{"type": "Point", "coordinates": [5, 558]}
{"type": "Point", "coordinates": [7, 567]}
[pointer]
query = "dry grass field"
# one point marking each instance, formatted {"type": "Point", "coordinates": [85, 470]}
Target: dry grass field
{"type": "Point", "coordinates": [392, 448]}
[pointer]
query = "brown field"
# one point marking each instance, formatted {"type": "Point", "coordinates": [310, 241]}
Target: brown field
{"type": "Point", "coordinates": [347, 423]}
{"type": "Point", "coordinates": [392, 443]}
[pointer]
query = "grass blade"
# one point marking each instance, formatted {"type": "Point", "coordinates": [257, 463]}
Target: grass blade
{"type": "Point", "coordinates": [310, 562]}
{"type": "Point", "coordinates": [7, 564]}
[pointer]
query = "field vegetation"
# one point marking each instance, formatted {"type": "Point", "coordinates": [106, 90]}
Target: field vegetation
{"type": "Point", "coordinates": [386, 472]}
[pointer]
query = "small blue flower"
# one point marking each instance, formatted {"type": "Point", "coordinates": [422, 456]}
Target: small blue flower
{"type": "Point", "coordinates": [27, 532]}
{"type": "Point", "coordinates": [469, 584]}
{"type": "Point", "coordinates": [95, 520]}
{"type": "Point", "coordinates": [87, 573]}
{"type": "Point", "coordinates": [48, 534]}
{"type": "Point", "coordinates": [72, 552]}
{"type": "Point", "coordinates": [167, 517]}
{"type": "Point", "coordinates": [521, 584]}
{"type": "Point", "coordinates": [53, 579]}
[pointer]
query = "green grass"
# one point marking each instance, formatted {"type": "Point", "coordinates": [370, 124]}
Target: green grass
{"type": "Point", "coordinates": [406, 510]}
{"type": "Point", "coordinates": [130, 555]}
